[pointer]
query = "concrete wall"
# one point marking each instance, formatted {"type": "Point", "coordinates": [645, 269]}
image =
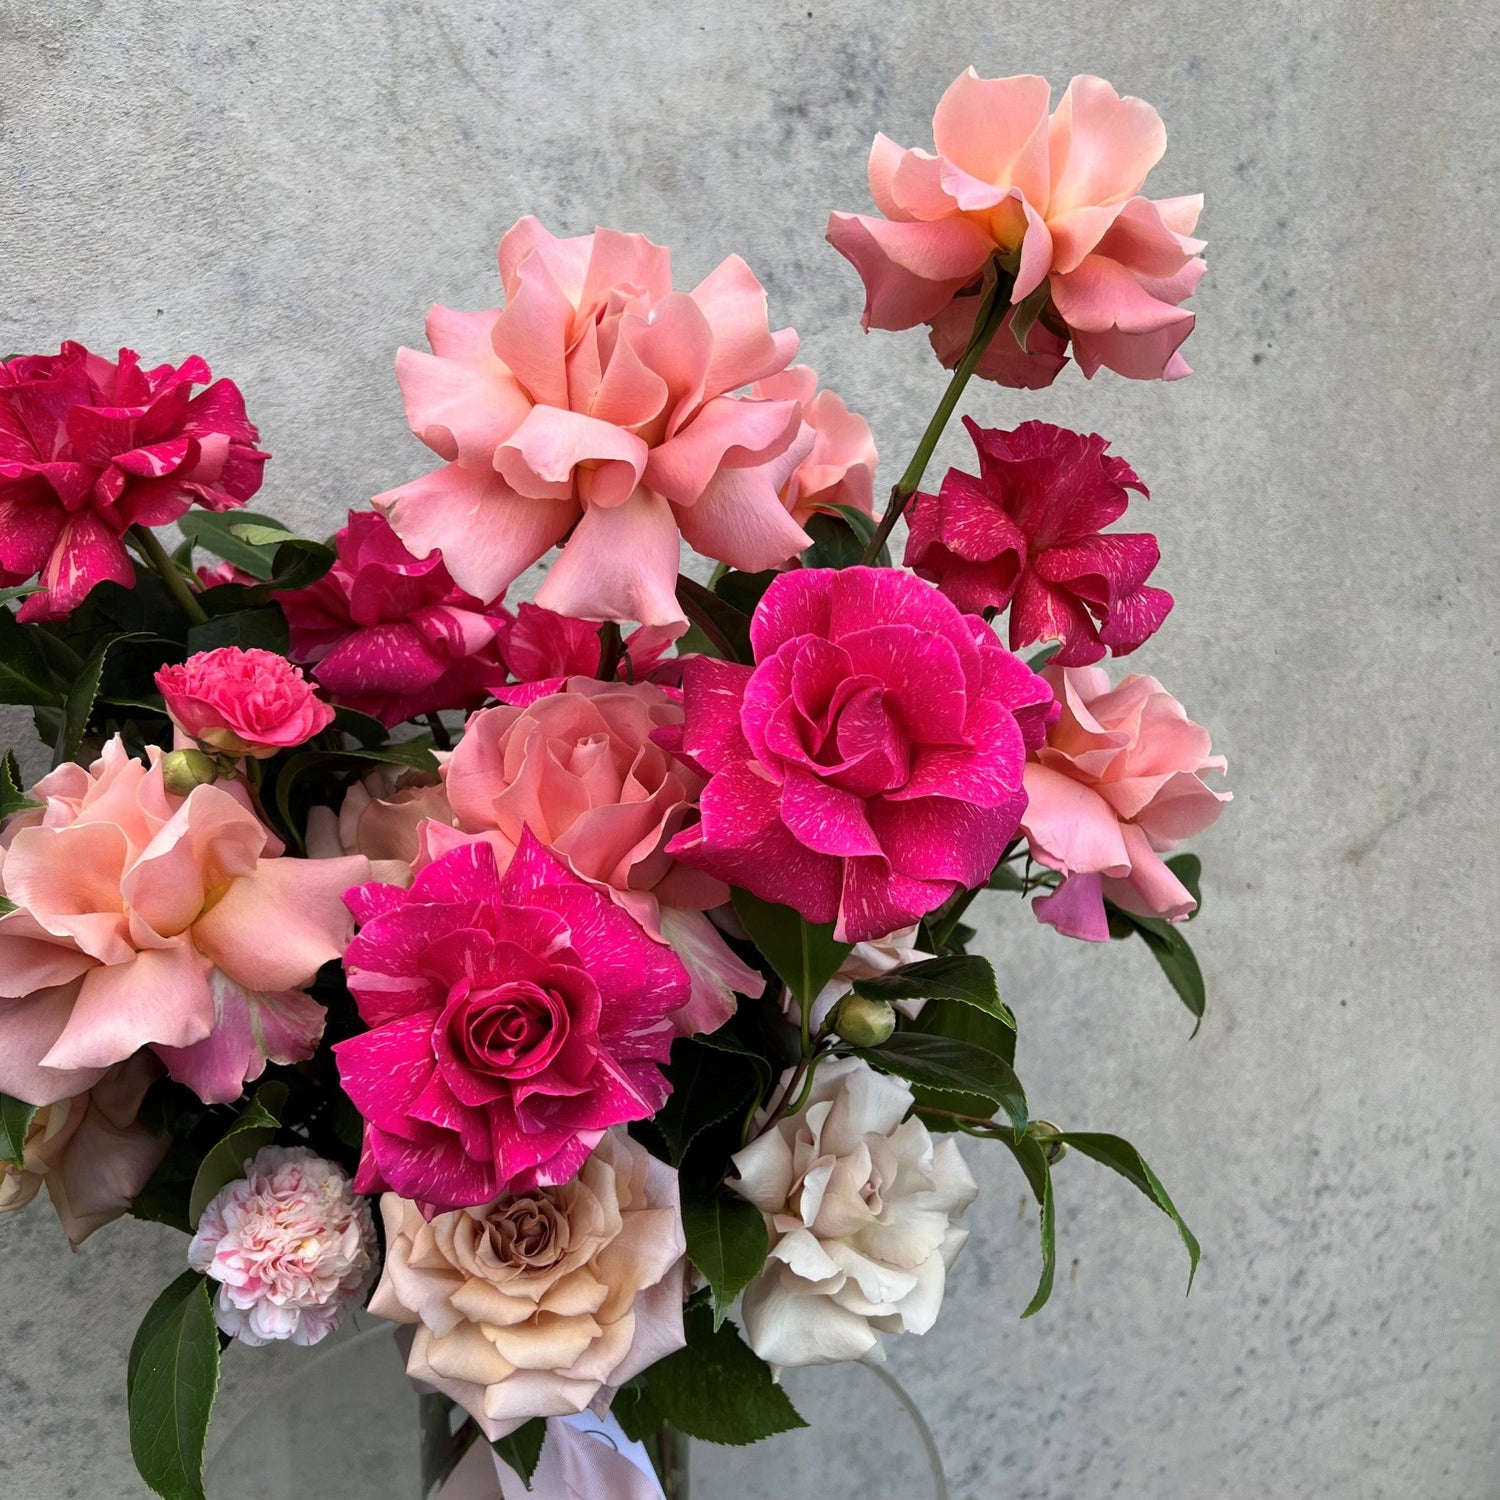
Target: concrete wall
{"type": "Point", "coordinates": [285, 186]}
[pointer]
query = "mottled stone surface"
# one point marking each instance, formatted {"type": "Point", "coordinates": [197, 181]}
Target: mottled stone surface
{"type": "Point", "coordinates": [284, 187]}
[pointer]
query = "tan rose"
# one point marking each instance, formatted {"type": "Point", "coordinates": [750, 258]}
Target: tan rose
{"type": "Point", "coordinates": [531, 1305]}
{"type": "Point", "coordinates": [381, 817]}
{"type": "Point", "coordinates": [862, 1207]}
{"type": "Point", "coordinates": [89, 1151]}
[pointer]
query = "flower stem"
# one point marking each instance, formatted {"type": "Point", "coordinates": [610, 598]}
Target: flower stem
{"type": "Point", "coordinates": [669, 1457]}
{"type": "Point", "coordinates": [440, 736]}
{"type": "Point", "coordinates": [611, 649]}
{"type": "Point", "coordinates": [992, 309]}
{"type": "Point", "coordinates": [154, 553]}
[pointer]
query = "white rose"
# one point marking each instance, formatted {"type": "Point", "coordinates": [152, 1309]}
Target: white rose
{"type": "Point", "coordinates": [862, 1207]}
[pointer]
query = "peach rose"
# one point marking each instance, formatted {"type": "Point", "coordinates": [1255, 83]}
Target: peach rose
{"type": "Point", "coordinates": [89, 1151]}
{"type": "Point", "coordinates": [381, 817]}
{"type": "Point", "coordinates": [145, 919]}
{"type": "Point", "coordinates": [1118, 783]}
{"type": "Point", "coordinates": [535, 1303]}
{"type": "Point", "coordinates": [840, 467]}
{"type": "Point", "coordinates": [581, 769]}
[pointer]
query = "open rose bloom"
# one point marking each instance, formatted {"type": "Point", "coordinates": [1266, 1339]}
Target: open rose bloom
{"type": "Point", "coordinates": [582, 970]}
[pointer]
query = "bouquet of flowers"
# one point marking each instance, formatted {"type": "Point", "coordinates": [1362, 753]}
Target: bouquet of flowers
{"type": "Point", "coordinates": [558, 990]}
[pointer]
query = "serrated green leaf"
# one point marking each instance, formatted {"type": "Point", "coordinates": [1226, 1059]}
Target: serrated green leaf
{"type": "Point", "coordinates": [261, 627]}
{"type": "Point", "coordinates": [1171, 950]}
{"type": "Point", "coordinates": [1188, 868]}
{"type": "Point", "coordinates": [803, 954]}
{"type": "Point", "coordinates": [1120, 1156]}
{"type": "Point", "coordinates": [79, 704]}
{"type": "Point", "coordinates": [1039, 659]}
{"type": "Point", "coordinates": [1033, 1161]}
{"type": "Point", "coordinates": [964, 1024]}
{"type": "Point", "coordinates": [951, 1066]}
{"type": "Point", "coordinates": [708, 1084]}
{"type": "Point", "coordinates": [217, 532]}
{"type": "Point", "coordinates": [171, 1380]}
{"type": "Point", "coordinates": [727, 1241]}
{"type": "Point", "coordinates": [15, 1120]}
{"type": "Point", "coordinates": [522, 1449]}
{"type": "Point", "coordinates": [24, 677]}
{"type": "Point", "coordinates": [254, 1127]}
{"type": "Point", "coordinates": [13, 798]}
{"type": "Point", "coordinates": [716, 1389]}
{"type": "Point", "coordinates": [967, 978]}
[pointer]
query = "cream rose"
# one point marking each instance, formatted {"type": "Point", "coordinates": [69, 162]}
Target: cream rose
{"type": "Point", "coordinates": [532, 1304]}
{"type": "Point", "coordinates": [862, 1207]}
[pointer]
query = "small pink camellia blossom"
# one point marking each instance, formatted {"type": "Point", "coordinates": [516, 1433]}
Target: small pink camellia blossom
{"type": "Point", "coordinates": [291, 1246]}
{"type": "Point", "coordinates": [600, 406]}
{"type": "Point", "coordinates": [537, 1302]}
{"type": "Point", "coordinates": [513, 1019]}
{"type": "Point", "coordinates": [241, 702]}
{"type": "Point", "coordinates": [91, 446]}
{"type": "Point", "coordinates": [869, 765]}
{"type": "Point", "coordinates": [392, 635]}
{"type": "Point", "coordinates": [1118, 783]}
{"type": "Point", "coordinates": [580, 770]}
{"type": "Point", "coordinates": [90, 1151]}
{"type": "Point", "coordinates": [144, 919]}
{"type": "Point", "coordinates": [1057, 200]}
{"type": "Point", "coordinates": [543, 649]}
{"type": "Point", "coordinates": [1026, 531]}
{"type": "Point", "coordinates": [840, 466]}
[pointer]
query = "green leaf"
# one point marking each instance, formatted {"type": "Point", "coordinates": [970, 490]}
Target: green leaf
{"type": "Point", "coordinates": [951, 1066]}
{"type": "Point", "coordinates": [262, 627]}
{"type": "Point", "coordinates": [368, 731]}
{"type": "Point", "coordinates": [20, 591]}
{"type": "Point", "coordinates": [727, 1241]}
{"type": "Point", "coordinates": [727, 628]}
{"type": "Point", "coordinates": [803, 954]}
{"type": "Point", "coordinates": [253, 1128]}
{"type": "Point", "coordinates": [1039, 659]}
{"type": "Point", "coordinates": [1033, 1160]}
{"type": "Point", "coordinates": [708, 1084]}
{"type": "Point", "coordinates": [1170, 949]}
{"type": "Point", "coordinates": [716, 1390]}
{"type": "Point", "coordinates": [1120, 1156]}
{"type": "Point", "coordinates": [13, 798]}
{"type": "Point", "coordinates": [745, 590]}
{"type": "Point", "coordinates": [260, 534]}
{"type": "Point", "coordinates": [964, 977]}
{"type": "Point", "coordinates": [79, 704]}
{"type": "Point", "coordinates": [24, 677]}
{"type": "Point", "coordinates": [171, 1380]}
{"type": "Point", "coordinates": [1027, 311]}
{"type": "Point", "coordinates": [522, 1449]}
{"type": "Point", "coordinates": [965, 1024]}
{"type": "Point", "coordinates": [15, 1121]}
{"type": "Point", "coordinates": [836, 543]}
{"type": "Point", "coordinates": [242, 537]}
{"type": "Point", "coordinates": [1188, 868]}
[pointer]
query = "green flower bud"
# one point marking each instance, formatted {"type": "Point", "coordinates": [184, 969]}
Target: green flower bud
{"type": "Point", "coordinates": [1053, 1150]}
{"type": "Point", "coordinates": [862, 1022]}
{"type": "Point", "coordinates": [182, 770]}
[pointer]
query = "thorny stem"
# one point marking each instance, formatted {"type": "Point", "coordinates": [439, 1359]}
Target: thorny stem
{"type": "Point", "coordinates": [991, 313]}
{"type": "Point", "coordinates": [154, 553]}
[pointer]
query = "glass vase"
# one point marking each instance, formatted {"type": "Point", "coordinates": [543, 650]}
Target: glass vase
{"type": "Point", "coordinates": [348, 1426]}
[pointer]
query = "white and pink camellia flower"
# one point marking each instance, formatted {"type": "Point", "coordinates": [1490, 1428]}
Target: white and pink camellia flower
{"type": "Point", "coordinates": [1118, 783]}
{"type": "Point", "coordinates": [599, 405]}
{"type": "Point", "coordinates": [90, 1151]}
{"type": "Point", "coordinates": [580, 769]}
{"type": "Point", "coordinates": [513, 1019]}
{"type": "Point", "coordinates": [1055, 197]}
{"type": "Point", "coordinates": [143, 919]}
{"type": "Point", "coordinates": [241, 702]}
{"type": "Point", "coordinates": [840, 466]}
{"type": "Point", "coordinates": [291, 1246]}
{"type": "Point", "coordinates": [533, 1304]}
{"type": "Point", "coordinates": [868, 766]}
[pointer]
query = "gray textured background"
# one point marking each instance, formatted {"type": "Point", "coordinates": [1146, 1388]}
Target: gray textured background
{"type": "Point", "coordinates": [285, 186]}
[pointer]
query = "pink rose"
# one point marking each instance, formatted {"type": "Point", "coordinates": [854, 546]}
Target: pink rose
{"type": "Point", "coordinates": [536, 1303]}
{"type": "Point", "coordinates": [543, 649]}
{"type": "Point", "coordinates": [1026, 532]}
{"type": "Point", "coordinates": [580, 770]}
{"type": "Point", "coordinates": [1057, 200]}
{"type": "Point", "coordinates": [1118, 783]}
{"type": "Point", "coordinates": [599, 406]}
{"type": "Point", "coordinates": [869, 765]}
{"type": "Point", "coordinates": [143, 919]}
{"type": "Point", "coordinates": [242, 702]}
{"type": "Point", "coordinates": [91, 446]}
{"type": "Point", "coordinates": [382, 817]}
{"type": "Point", "coordinates": [290, 1245]}
{"type": "Point", "coordinates": [89, 1151]}
{"type": "Point", "coordinates": [513, 1020]}
{"type": "Point", "coordinates": [392, 635]}
{"type": "Point", "coordinates": [840, 466]}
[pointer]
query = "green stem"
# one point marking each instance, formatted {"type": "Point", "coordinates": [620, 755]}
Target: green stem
{"type": "Point", "coordinates": [611, 649]}
{"type": "Point", "coordinates": [992, 309]}
{"type": "Point", "coordinates": [154, 553]}
{"type": "Point", "coordinates": [944, 931]}
{"type": "Point", "coordinates": [669, 1457]}
{"type": "Point", "coordinates": [440, 736]}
